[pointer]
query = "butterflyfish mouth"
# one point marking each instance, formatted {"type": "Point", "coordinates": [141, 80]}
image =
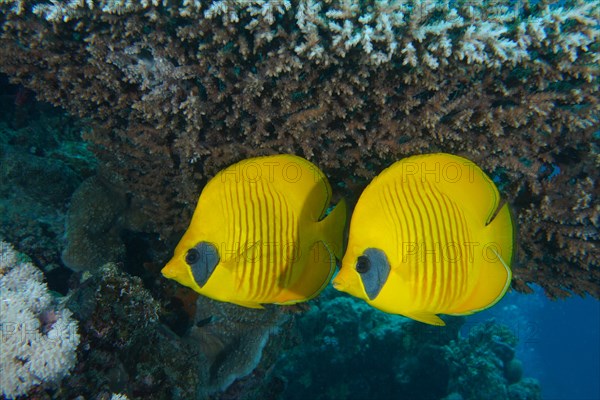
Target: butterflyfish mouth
{"type": "Point", "coordinates": [339, 284]}
{"type": "Point", "coordinates": [169, 271]}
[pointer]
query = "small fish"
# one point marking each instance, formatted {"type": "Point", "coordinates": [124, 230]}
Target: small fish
{"type": "Point", "coordinates": [259, 234]}
{"type": "Point", "coordinates": [429, 236]}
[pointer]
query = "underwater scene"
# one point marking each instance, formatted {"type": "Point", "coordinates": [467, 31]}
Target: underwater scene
{"type": "Point", "coordinates": [300, 199]}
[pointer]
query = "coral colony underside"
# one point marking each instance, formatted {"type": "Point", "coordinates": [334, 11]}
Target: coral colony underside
{"type": "Point", "coordinates": [161, 95]}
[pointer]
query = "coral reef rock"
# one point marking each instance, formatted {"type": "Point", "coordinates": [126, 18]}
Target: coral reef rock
{"type": "Point", "coordinates": [37, 179]}
{"type": "Point", "coordinates": [125, 348]}
{"type": "Point", "coordinates": [348, 350]}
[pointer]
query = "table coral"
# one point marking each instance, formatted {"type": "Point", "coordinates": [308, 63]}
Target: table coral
{"type": "Point", "coordinates": [175, 91]}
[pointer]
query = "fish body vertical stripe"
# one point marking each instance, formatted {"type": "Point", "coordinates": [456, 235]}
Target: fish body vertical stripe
{"type": "Point", "coordinates": [249, 258]}
{"type": "Point", "coordinates": [229, 212]}
{"type": "Point", "coordinates": [245, 248]}
{"type": "Point", "coordinates": [288, 245]}
{"type": "Point", "coordinates": [261, 221]}
{"type": "Point", "coordinates": [270, 238]}
{"type": "Point", "coordinates": [388, 204]}
{"type": "Point", "coordinates": [421, 258]}
{"type": "Point", "coordinates": [457, 238]}
{"type": "Point", "coordinates": [435, 243]}
{"type": "Point", "coordinates": [242, 211]}
{"type": "Point", "coordinates": [243, 236]}
{"type": "Point", "coordinates": [467, 261]}
{"type": "Point", "coordinates": [447, 239]}
{"type": "Point", "coordinates": [412, 260]}
{"type": "Point", "coordinates": [432, 242]}
{"type": "Point", "coordinates": [272, 229]}
{"type": "Point", "coordinates": [406, 222]}
{"type": "Point", "coordinates": [232, 212]}
{"type": "Point", "coordinates": [461, 237]}
{"type": "Point", "coordinates": [428, 243]}
{"type": "Point", "coordinates": [282, 277]}
{"type": "Point", "coordinates": [450, 239]}
{"type": "Point", "coordinates": [265, 228]}
{"type": "Point", "coordinates": [280, 229]}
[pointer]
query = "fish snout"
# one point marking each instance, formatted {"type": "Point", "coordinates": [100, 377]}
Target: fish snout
{"type": "Point", "coordinates": [178, 270]}
{"type": "Point", "coordinates": [170, 270]}
{"type": "Point", "coordinates": [339, 283]}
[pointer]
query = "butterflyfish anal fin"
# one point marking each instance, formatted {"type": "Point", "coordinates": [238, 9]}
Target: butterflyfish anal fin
{"type": "Point", "coordinates": [425, 317]}
{"type": "Point", "coordinates": [247, 304]}
{"type": "Point", "coordinates": [318, 270]}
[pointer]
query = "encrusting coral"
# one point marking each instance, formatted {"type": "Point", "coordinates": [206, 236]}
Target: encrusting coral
{"type": "Point", "coordinates": [175, 91]}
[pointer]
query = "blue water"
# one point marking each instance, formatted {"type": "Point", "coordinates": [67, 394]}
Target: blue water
{"type": "Point", "coordinates": [559, 341]}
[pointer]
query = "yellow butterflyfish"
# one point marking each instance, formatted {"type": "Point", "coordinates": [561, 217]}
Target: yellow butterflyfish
{"type": "Point", "coordinates": [429, 236]}
{"type": "Point", "coordinates": [259, 234]}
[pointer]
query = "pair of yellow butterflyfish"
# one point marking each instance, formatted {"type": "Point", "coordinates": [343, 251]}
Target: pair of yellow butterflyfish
{"type": "Point", "coordinates": [428, 236]}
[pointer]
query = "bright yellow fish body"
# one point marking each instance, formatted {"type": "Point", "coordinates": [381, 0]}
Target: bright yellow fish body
{"type": "Point", "coordinates": [257, 237]}
{"type": "Point", "coordinates": [429, 236]}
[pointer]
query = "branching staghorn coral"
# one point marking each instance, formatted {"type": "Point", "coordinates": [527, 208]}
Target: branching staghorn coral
{"type": "Point", "coordinates": [176, 91]}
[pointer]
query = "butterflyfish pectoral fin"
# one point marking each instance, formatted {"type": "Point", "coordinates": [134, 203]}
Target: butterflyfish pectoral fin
{"type": "Point", "coordinates": [426, 317]}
